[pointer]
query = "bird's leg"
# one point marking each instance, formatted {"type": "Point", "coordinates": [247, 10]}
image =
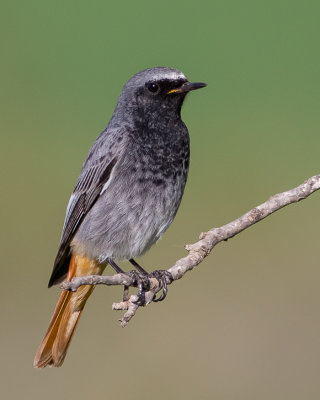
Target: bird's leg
{"type": "Point", "coordinates": [125, 296]}
{"type": "Point", "coordinates": [115, 266]}
{"type": "Point", "coordinates": [118, 270]}
{"type": "Point", "coordinates": [139, 268]}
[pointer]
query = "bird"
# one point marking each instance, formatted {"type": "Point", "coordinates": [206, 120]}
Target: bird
{"type": "Point", "coordinates": [127, 194]}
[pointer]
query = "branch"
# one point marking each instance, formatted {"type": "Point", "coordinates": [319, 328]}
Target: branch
{"type": "Point", "coordinates": [151, 284]}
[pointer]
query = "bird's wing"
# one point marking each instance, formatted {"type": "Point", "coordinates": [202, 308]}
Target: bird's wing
{"type": "Point", "coordinates": [95, 173]}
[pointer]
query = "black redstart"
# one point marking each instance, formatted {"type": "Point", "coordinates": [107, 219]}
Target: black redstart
{"type": "Point", "coordinates": [126, 196]}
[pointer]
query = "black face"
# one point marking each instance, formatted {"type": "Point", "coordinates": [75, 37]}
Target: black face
{"type": "Point", "coordinates": [162, 87]}
{"type": "Point", "coordinates": [153, 97]}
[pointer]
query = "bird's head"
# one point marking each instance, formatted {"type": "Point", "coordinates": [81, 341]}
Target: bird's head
{"type": "Point", "coordinates": [156, 92]}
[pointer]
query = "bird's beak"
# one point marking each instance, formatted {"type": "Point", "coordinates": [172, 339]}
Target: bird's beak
{"type": "Point", "coordinates": [187, 87]}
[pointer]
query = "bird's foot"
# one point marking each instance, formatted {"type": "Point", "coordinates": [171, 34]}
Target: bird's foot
{"type": "Point", "coordinates": [142, 282]}
{"type": "Point", "coordinates": [162, 277]}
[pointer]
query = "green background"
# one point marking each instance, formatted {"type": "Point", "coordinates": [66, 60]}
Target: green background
{"type": "Point", "coordinates": [245, 324]}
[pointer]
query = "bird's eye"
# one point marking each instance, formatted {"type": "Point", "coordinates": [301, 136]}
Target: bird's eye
{"type": "Point", "coordinates": [153, 87]}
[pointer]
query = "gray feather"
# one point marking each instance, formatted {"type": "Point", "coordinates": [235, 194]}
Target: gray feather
{"type": "Point", "coordinates": [133, 179]}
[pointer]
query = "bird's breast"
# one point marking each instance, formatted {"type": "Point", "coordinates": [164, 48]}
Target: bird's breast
{"type": "Point", "coordinates": [139, 202]}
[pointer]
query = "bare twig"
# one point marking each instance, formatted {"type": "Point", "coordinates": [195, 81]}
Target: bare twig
{"type": "Point", "coordinates": [149, 286]}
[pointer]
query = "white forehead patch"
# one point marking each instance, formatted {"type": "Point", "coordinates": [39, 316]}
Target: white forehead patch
{"type": "Point", "coordinates": [171, 75]}
{"type": "Point", "coordinates": [155, 74]}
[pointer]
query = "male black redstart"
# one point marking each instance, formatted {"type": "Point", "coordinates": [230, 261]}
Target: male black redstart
{"type": "Point", "coordinates": [126, 196]}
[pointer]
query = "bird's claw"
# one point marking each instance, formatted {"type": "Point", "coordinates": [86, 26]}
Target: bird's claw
{"type": "Point", "coordinates": [142, 282]}
{"type": "Point", "coordinates": [162, 276]}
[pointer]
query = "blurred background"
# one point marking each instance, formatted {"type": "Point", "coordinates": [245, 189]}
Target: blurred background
{"type": "Point", "coordinates": [245, 324]}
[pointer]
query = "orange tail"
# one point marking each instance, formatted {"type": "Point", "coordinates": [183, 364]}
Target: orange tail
{"type": "Point", "coordinates": [54, 346]}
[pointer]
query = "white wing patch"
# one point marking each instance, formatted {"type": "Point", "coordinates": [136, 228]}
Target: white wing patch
{"type": "Point", "coordinates": [68, 208]}
{"type": "Point", "coordinates": [105, 186]}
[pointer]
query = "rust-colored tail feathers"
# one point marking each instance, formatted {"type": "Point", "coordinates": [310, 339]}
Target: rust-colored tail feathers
{"type": "Point", "coordinates": [53, 349]}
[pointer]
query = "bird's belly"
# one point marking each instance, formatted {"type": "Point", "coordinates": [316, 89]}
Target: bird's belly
{"type": "Point", "coordinates": [123, 224]}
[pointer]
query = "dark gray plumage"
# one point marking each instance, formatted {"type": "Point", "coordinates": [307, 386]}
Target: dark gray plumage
{"type": "Point", "coordinates": [133, 179]}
